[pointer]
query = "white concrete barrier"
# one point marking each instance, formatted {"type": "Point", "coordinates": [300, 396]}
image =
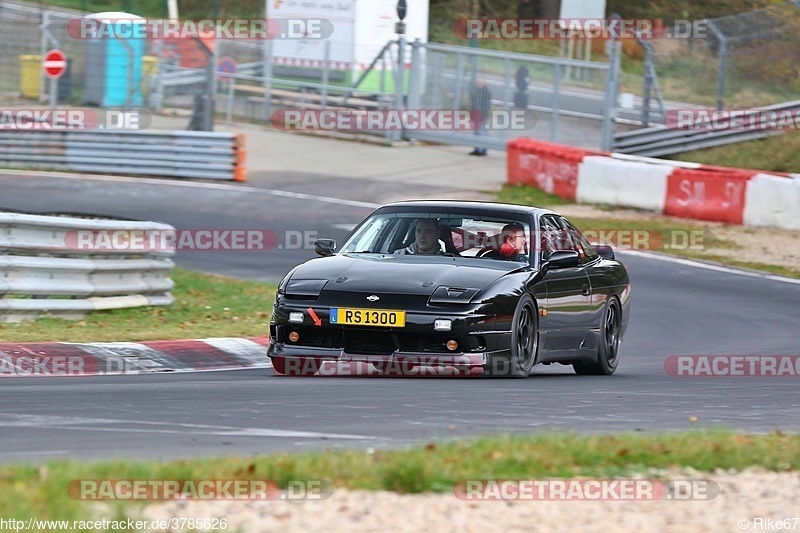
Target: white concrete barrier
{"type": "Point", "coordinates": [773, 201]}
{"type": "Point", "coordinates": [605, 180]}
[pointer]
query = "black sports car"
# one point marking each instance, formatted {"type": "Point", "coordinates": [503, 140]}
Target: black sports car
{"type": "Point", "coordinates": [463, 285]}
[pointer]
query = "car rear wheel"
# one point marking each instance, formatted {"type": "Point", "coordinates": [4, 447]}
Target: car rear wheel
{"type": "Point", "coordinates": [608, 346]}
{"type": "Point", "coordinates": [524, 343]}
{"type": "Point", "coordinates": [296, 366]}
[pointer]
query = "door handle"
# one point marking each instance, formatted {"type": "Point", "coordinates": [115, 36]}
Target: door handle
{"type": "Point", "coordinates": [585, 290]}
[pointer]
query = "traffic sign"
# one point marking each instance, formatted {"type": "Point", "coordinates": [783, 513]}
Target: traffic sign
{"type": "Point", "coordinates": [55, 64]}
{"type": "Point", "coordinates": [226, 68]}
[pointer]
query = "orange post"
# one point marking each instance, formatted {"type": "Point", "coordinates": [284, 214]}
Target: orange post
{"type": "Point", "coordinates": [240, 151]}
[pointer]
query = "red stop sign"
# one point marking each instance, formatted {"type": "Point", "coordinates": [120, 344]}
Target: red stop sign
{"type": "Point", "coordinates": [55, 64]}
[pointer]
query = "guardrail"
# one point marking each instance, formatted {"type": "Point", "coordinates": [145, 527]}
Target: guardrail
{"type": "Point", "coordinates": [662, 140]}
{"type": "Point", "coordinates": [44, 272]}
{"type": "Point", "coordinates": [175, 154]}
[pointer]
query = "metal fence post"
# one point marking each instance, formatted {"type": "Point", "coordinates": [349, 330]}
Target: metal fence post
{"type": "Point", "coordinates": [383, 71]}
{"type": "Point", "coordinates": [612, 87]}
{"type": "Point", "coordinates": [326, 73]}
{"type": "Point", "coordinates": [507, 96]}
{"type": "Point", "coordinates": [267, 78]}
{"type": "Point", "coordinates": [45, 45]}
{"type": "Point", "coordinates": [457, 88]}
{"type": "Point", "coordinates": [399, 88]}
{"type": "Point", "coordinates": [554, 117]}
{"type": "Point", "coordinates": [723, 63]}
{"type": "Point", "coordinates": [415, 78]}
{"type": "Point", "coordinates": [208, 116]}
{"type": "Point", "coordinates": [231, 97]}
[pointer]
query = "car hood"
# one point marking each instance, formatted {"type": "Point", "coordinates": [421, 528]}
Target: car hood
{"type": "Point", "coordinates": [400, 274]}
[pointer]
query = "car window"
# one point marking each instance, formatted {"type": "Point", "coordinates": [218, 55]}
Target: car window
{"type": "Point", "coordinates": [478, 236]}
{"type": "Point", "coordinates": [551, 236]}
{"type": "Point", "coordinates": [586, 250]}
{"type": "Point", "coordinates": [366, 238]}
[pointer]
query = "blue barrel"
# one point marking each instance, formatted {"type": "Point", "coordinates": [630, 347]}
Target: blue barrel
{"type": "Point", "coordinates": [114, 61]}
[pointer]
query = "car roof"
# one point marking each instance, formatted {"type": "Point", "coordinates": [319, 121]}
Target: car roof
{"type": "Point", "coordinates": [471, 204]}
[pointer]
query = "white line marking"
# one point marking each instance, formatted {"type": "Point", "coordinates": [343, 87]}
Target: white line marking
{"type": "Point", "coordinates": [708, 266]}
{"type": "Point", "coordinates": [236, 432]}
{"type": "Point", "coordinates": [192, 184]}
{"type": "Point", "coordinates": [80, 423]}
{"type": "Point", "coordinates": [43, 452]}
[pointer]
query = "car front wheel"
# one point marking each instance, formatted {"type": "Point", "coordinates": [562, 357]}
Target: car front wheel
{"type": "Point", "coordinates": [524, 343]}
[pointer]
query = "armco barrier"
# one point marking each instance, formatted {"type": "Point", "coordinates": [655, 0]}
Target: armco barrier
{"type": "Point", "coordinates": [41, 274]}
{"type": "Point", "coordinates": [175, 154]}
{"type": "Point", "coordinates": [687, 190]}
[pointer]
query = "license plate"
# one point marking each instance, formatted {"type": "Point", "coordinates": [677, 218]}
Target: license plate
{"type": "Point", "coordinates": [368, 317]}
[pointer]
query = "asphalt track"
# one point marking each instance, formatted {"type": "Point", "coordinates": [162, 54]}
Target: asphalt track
{"type": "Point", "coordinates": [678, 309]}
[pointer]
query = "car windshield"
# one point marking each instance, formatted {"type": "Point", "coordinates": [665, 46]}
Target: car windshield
{"type": "Point", "coordinates": [478, 236]}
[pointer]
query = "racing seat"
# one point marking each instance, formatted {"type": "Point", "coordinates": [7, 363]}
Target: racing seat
{"type": "Point", "coordinates": [446, 236]}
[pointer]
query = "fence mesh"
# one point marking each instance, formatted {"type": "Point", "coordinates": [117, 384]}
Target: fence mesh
{"type": "Point", "coordinates": [747, 59]}
{"type": "Point", "coordinates": [573, 89]}
{"type": "Point", "coordinates": [568, 96]}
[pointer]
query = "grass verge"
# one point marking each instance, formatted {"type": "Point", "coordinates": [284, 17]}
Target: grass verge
{"type": "Point", "coordinates": [41, 490]}
{"type": "Point", "coordinates": [205, 305]}
{"type": "Point", "coordinates": [783, 150]}
{"type": "Point", "coordinates": [667, 228]}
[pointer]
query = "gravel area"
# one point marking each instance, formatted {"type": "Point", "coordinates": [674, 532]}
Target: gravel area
{"type": "Point", "coordinates": [743, 496]}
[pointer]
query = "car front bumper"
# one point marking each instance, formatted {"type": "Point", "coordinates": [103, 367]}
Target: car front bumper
{"type": "Point", "coordinates": [475, 330]}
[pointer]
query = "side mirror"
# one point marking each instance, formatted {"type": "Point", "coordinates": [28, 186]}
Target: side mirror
{"type": "Point", "coordinates": [605, 250]}
{"type": "Point", "coordinates": [324, 247]}
{"type": "Point", "coordinates": [563, 259]}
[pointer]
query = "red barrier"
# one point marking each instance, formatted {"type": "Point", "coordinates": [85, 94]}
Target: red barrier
{"type": "Point", "coordinates": [708, 194]}
{"type": "Point", "coordinates": [547, 166]}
